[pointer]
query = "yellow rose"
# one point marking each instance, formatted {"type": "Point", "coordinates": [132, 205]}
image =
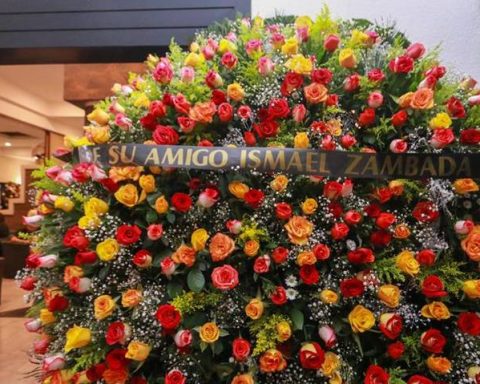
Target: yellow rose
{"type": "Point", "coordinates": [336, 378]}
{"type": "Point", "coordinates": [129, 172]}
{"type": "Point", "coordinates": [147, 183]}
{"type": "Point", "coordinates": [303, 22]}
{"type": "Point", "coordinates": [98, 116]}
{"type": "Point", "coordinates": [334, 127]}
{"type": "Point", "coordinates": [361, 319]}
{"type": "Point", "coordinates": [254, 309]}
{"type": "Point", "coordinates": [472, 289]}
{"type": "Point", "coordinates": [463, 186]}
{"type": "Point", "coordinates": [331, 364]}
{"type": "Point", "coordinates": [46, 317]}
{"type": "Point", "coordinates": [95, 207]}
{"type": "Point", "coordinates": [194, 47]}
{"type": "Point", "coordinates": [235, 92]}
{"type": "Point", "coordinates": [43, 209]}
{"type": "Point", "coordinates": [131, 298]}
{"type": "Point", "coordinates": [193, 59]}
{"type": "Point", "coordinates": [309, 206]}
{"type": "Point", "coordinates": [127, 195]}
{"type": "Point", "coordinates": [347, 58]}
{"type": "Point", "coordinates": [245, 378]}
{"type": "Point", "coordinates": [279, 183]}
{"type": "Point", "coordinates": [89, 222]}
{"type": "Point", "coordinates": [199, 239]}
{"type": "Point", "coordinates": [64, 203]}
{"type": "Point", "coordinates": [407, 263]}
{"type": "Point", "coordinates": [389, 295]}
{"type": "Point", "coordinates": [284, 331]}
{"type": "Point", "coordinates": [358, 38]}
{"type": "Point", "coordinates": [73, 142]}
{"type": "Point", "coordinates": [436, 310]}
{"type": "Point", "coordinates": [238, 189]}
{"type": "Point", "coordinates": [306, 258]}
{"type": "Point", "coordinates": [225, 45]}
{"type": "Point", "coordinates": [251, 248]}
{"type": "Point", "coordinates": [327, 296]}
{"type": "Point", "coordinates": [397, 187]}
{"type": "Point", "coordinates": [77, 337]}
{"type": "Point", "coordinates": [441, 120]}
{"type": "Point", "coordinates": [142, 101]}
{"type": "Point", "coordinates": [301, 140]}
{"type": "Point", "coordinates": [98, 134]}
{"type": "Point", "coordinates": [72, 271]}
{"type": "Point", "coordinates": [161, 205]}
{"type": "Point", "coordinates": [108, 249]}
{"type": "Point", "coordinates": [439, 364]}
{"type": "Point", "coordinates": [299, 230]}
{"type": "Point", "coordinates": [300, 64]}
{"type": "Point", "coordinates": [103, 307]}
{"type": "Point", "coordinates": [137, 351]}
{"type": "Point", "coordinates": [209, 333]}
{"type": "Point", "coordinates": [290, 47]}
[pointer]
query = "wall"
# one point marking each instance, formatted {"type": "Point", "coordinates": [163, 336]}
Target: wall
{"type": "Point", "coordinates": [11, 171]}
{"type": "Point", "coordinates": [454, 23]}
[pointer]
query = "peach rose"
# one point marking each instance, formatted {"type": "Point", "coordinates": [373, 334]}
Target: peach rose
{"type": "Point", "coordinates": [439, 364]}
{"type": "Point", "coordinates": [254, 309]}
{"type": "Point", "coordinates": [389, 295]}
{"type": "Point", "coordinates": [306, 258]}
{"type": "Point", "coordinates": [272, 361]}
{"type": "Point", "coordinates": [422, 99]}
{"type": "Point", "coordinates": [463, 186]}
{"type": "Point", "coordinates": [279, 183]}
{"type": "Point", "coordinates": [436, 310]}
{"type": "Point", "coordinates": [245, 378]}
{"type": "Point", "coordinates": [299, 229]}
{"type": "Point", "coordinates": [401, 231]}
{"type": "Point", "coordinates": [315, 93]}
{"type": "Point", "coordinates": [471, 244]}
{"type": "Point", "coordinates": [251, 248]}
{"type": "Point", "coordinates": [203, 112]}
{"type": "Point", "coordinates": [184, 255]}
{"type": "Point", "coordinates": [221, 246]}
{"type": "Point", "coordinates": [405, 100]}
{"type": "Point", "coordinates": [131, 298]}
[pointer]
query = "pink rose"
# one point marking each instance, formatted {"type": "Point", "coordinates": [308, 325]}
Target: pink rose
{"type": "Point", "coordinates": [375, 100]}
{"type": "Point", "coordinates": [234, 226]}
{"type": "Point", "coordinates": [53, 362]}
{"type": "Point", "coordinates": [463, 227]}
{"type": "Point", "coordinates": [415, 50]}
{"type": "Point", "coordinates": [163, 72]}
{"type": "Point", "coordinates": [155, 231]}
{"type": "Point", "coordinates": [244, 112]}
{"type": "Point", "coordinates": [327, 334]}
{"type": "Point", "coordinates": [183, 338]}
{"type": "Point", "coordinates": [168, 266]}
{"type": "Point", "coordinates": [298, 113]}
{"type": "Point", "coordinates": [33, 325]}
{"type": "Point", "coordinates": [398, 146]}
{"type": "Point", "coordinates": [348, 141]}
{"type": "Point", "coordinates": [262, 264]}
{"type": "Point", "coordinates": [265, 65]}
{"type": "Point", "coordinates": [224, 277]}
{"type": "Point", "coordinates": [213, 79]}
{"type": "Point", "coordinates": [32, 220]}
{"type": "Point", "coordinates": [347, 188]}
{"type": "Point", "coordinates": [253, 46]}
{"type": "Point", "coordinates": [123, 121]}
{"type": "Point", "coordinates": [40, 346]}
{"type": "Point", "coordinates": [48, 261]}
{"type": "Point", "coordinates": [208, 197]}
{"type": "Point", "coordinates": [351, 83]}
{"type": "Point", "coordinates": [474, 100]}
{"type": "Point", "coordinates": [331, 43]}
{"type": "Point", "coordinates": [441, 138]}
{"type": "Point", "coordinates": [79, 284]}
{"type": "Point", "coordinates": [187, 75]}
{"type": "Point", "coordinates": [229, 60]}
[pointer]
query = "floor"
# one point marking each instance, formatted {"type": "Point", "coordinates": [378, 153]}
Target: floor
{"type": "Point", "coordinates": [14, 340]}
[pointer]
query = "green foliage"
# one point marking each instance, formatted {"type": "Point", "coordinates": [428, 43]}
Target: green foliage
{"type": "Point", "coordinates": [265, 332]}
{"type": "Point", "coordinates": [190, 302]}
{"type": "Point", "coordinates": [90, 356]}
{"type": "Point", "coordinates": [386, 270]}
{"type": "Point", "coordinates": [323, 25]}
{"type": "Point", "coordinates": [43, 182]}
{"type": "Point", "coordinates": [413, 351]}
{"type": "Point", "coordinates": [450, 271]}
{"type": "Point", "coordinates": [473, 118]}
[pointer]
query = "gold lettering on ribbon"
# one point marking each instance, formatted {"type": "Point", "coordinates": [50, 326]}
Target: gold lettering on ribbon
{"type": "Point", "coordinates": [171, 157]}
{"type": "Point", "coordinates": [243, 159]}
{"type": "Point", "coordinates": [323, 164]}
{"type": "Point", "coordinates": [152, 157]}
{"type": "Point", "coordinates": [253, 156]}
{"type": "Point", "coordinates": [446, 166]}
{"type": "Point", "coordinates": [204, 159]}
{"type": "Point", "coordinates": [464, 168]}
{"type": "Point", "coordinates": [391, 167]}
{"type": "Point", "coordinates": [113, 154]}
{"type": "Point", "coordinates": [352, 165]}
{"type": "Point", "coordinates": [223, 159]}
{"type": "Point", "coordinates": [411, 166]}
{"type": "Point", "coordinates": [295, 161]}
{"type": "Point", "coordinates": [371, 167]}
{"type": "Point", "coordinates": [96, 154]}
{"type": "Point", "coordinates": [311, 162]}
{"type": "Point", "coordinates": [124, 158]}
{"type": "Point", "coordinates": [429, 167]}
{"type": "Point", "coordinates": [272, 162]}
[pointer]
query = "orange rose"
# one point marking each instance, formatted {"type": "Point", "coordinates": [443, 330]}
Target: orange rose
{"type": "Point", "coordinates": [203, 112]}
{"type": "Point", "coordinates": [72, 271]}
{"type": "Point", "coordinates": [221, 246]}
{"type": "Point", "coordinates": [315, 93]}
{"type": "Point", "coordinates": [439, 364]}
{"type": "Point", "coordinates": [389, 295]}
{"type": "Point", "coordinates": [245, 378]}
{"type": "Point", "coordinates": [131, 298]}
{"type": "Point", "coordinates": [405, 100]}
{"type": "Point", "coordinates": [422, 99]}
{"type": "Point", "coordinates": [184, 255]}
{"type": "Point", "coordinates": [471, 244]}
{"type": "Point", "coordinates": [299, 229]}
{"type": "Point", "coordinates": [272, 361]}
{"type": "Point", "coordinates": [251, 248]}
{"type": "Point", "coordinates": [463, 186]}
{"type": "Point", "coordinates": [401, 231]}
{"type": "Point", "coordinates": [115, 376]}
{"type": "Point", "coordinates": [306, 258]}
{"type": "Point", "coordinates": [436, 310]}
{"type": "Point", "coordinates": [254, 309]}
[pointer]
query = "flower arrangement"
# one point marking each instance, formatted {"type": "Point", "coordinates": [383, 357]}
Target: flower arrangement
{"type": "Point", "coordinates": [149, 275]}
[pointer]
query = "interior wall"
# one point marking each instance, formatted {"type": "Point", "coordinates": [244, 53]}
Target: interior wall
{"type": "Point", "coordinates": [12, 168]}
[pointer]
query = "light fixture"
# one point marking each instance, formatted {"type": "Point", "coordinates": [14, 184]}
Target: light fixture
{"type": "Point", "coordinates": [8, 144]}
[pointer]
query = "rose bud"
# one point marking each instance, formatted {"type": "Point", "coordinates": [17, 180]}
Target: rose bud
{"type": "Point", "coordinates": [53, 362]}
{"type": "Point", "coordinates": [463, 227]}
{"type": "Point", "coordinates": [40, 346]}
{"type": "Point", "coordinates": [123, 121]}
{"type": "Point", "coordinates": [208, 197]}
{"type": "Point", "coordinates": [298, 113]}
{"type": "Point", "coordinates": [241, 349]}
{"type": "Point", "coordinates": [234, 226]}
{"type": "Point", "coordinates": [142, 258]}
{"type": "Point", "coordinates": [244, 112]}
{"type": "Point", "coordinates": [396, 350]}
{"type": "Point", "coordinates": [208, 52]}
{"type": "Point", "coordinates": [351, 83]}
{"type": "Point", "coordinates": [32, 220]}
{"type": "Point", "coordinates": [187, 75]}
{"type": "Point", "coordinates": [352, 217]}
{"type": "Point", "coordinates": [229, 60]}
{"type": "Point", "coordinates": [48, 261]}
{"type": "Point", "coordinates": [213, 79]}
{"type": "Point", "coordinates": [415, 50]}
{"type": "Point", "coordinates": [79, 284]}
{"type": "Point", "coordinates": [280, 255]}
{"type": "Point", "coordinates": [265, 66]}
{"type": "Point", "coordinates": [331, 43]}
{"type": "Point", "coordinates": [426, 257]}
{"type": "Point", "coordinates": [375, 99]}
{"type": "Point", "coordinates": [474, 100]}
{"type": "Point", "coordinates": [348, 141]}
{"type": "Point", "coordinates": [249, 138]}
{"type": "Point", "coordinates": [175, 376]}
{"type": "Point", "coordinates": [339, 231]}
{"type": "Point", "coordinates": [28, 283]}
{"type": "Point", "coordinates": [327, 334]}
{"type": "Point", "coordinates": [399, 118]}
{"type": "Point", "coordinates": [262, 264]}
{"type": "Point", "coordinates": [33, 325]}
{"type": "Point", "coordinates": [321, 252]}
{"type": "Point", "coordinates": [168, 266]}
{"type": "Point", "coordinates": [398, 146]}
{"type": "Point", "coordinates": [428, 82]}
{"type": "Point", "coordinates": [347, 188]}
{"type": "Point", "coordinates": [183, 338]}
{"type": "Point", "coordinates": [372, 37]}
{"type": "Point", "coordinates": [154, 231]}
{"type": "Point", "coordinates": [468, 83]}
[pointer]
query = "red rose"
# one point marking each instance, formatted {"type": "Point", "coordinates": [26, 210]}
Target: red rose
{"type": "Point", "coordinates": [321, 252]}
{"type": "Point", "coordinates": [95, 373]}
{"type": "Point", "coordinates": [181, 104]}
{"type": "Point", "coordinates": [469, 322]}
{"type": "Point", "coordinates": [351, 83]}
{"type": "Point", "coordinates": [419, 379]}
{"type": "Point", "coordinates": [261, 264]}
{"type": "Point", "coordinates": [244, 112]}
{"type": "Point", "coordinates": [142, 258]}
{"type": "Point", "coordinates": [352, 287]}
{"type": "Point", "coordinates": [28, 283]}
{"type": "Point", "coordinates": [415, 50]}
{"type": "Point", "coordinates": [426, 257]}
{"type": "Point", "coordinates": [115, 333]}
{"type": "Point", "coordinates": [267, 128]}
{"type": "Point", "coordinates": [186, 124]}
{"type": "Point", "coordinates": [455, 108]}
{"type": "Point", "coordinates": [348, 141]}
{"type": "Point", "coordinates": [278, 109]}
{"type": "Point", "coordinates": [332, 100]}
{"type": "Point", "coordinates": [168, 316]}
{"type": "Point", "coordinates": [361, 256]}
{"type": "Point", "coordinates": [175, 376]}
{"type": "Point", "coordinates": [470, 136]}
{"type": "Point", "coordinates": [373, 210]}
{"type": "Point", "coordinates": [438, 72]}
{"type": "Point", "coordinates": [376, 375]}
{"type": "Point", "coordinates": [279, 255]}
{"type": "Point", "coordinates": [396, 350]}
{"type": "Point", "coordinates": [401, 64]}
{"type": "Point", "coordinates": [279, 295]}
{"type": "Point", "coordinates": [380, 238]}
{"type": "Point", "coordinates": [225, 112]}
{"type": "Point", "coordinates": [376, 75]}
{"type": "Point", "coordinates": [385, 220]}
{"type": "Point", "coordinates": [75, 238]}
{"type": "Point", "coordinates": [138, 380]}
{"type": "Point", "coordinates": [425, 212]}
{"type": "Point", "coordinates": [331, 43]}
{"type": "Point", "coordinates": [149, 121]}
{"type": "Point", "coordinates": [332, 190]}
{"type": "Point", "coordinates": [312, 356]}
{"type": "Point", "coordinates": [116, 359]}
{"type": "Point", "coordinates": [433, 287]}
{"type": "Point", "coordinates": [110, 185]}
{"type": "Point", "coordinates": [335, 208]}
{"type": "Point", "coordinates": [205, 143]}
{"type": "Point", "coordinates": [339, 231]}
{"type": "Point", "coordinates": [218, 97]}
{"type": "Point", "coordinates": [128, 234]}
{"type": "Point", "coordinates": [442, 137]}
{"type": "Point", "coordinates": [241, 349]}
{"type": "Point", "coordinates": [367, 117]}
{"type": "Point", "coordinates": [352, 217]}
{"type": "Point", "coordinates": [254, 198]}
{"type": "Point", "coordinates": [225, 277]}
{"type": "Point", "coordinates": [57, 304]}
{"type": "Point", "coordinates": [399, 118]}
{"type": "Point", "coordinates": [157, 108]}
{"type": "Point", "coordinates": [322, 76]}
{"type": "Point", "coordinates": [433, 341]}
{"type": "Point", "coordinates": [383, 194]}
{"type": "Point", "coordinates": [229, 60]}
{"type": "Point", "coordinates": [309, 274]}
{"type": "Point", "coordinates": [85, 257]}
{"type": "Point", "coordinates": [165, 135]}
{"type": "Point", "coordinates": [249, 138]}
{"type": "Point", "coordinates": [291, 82]}
{"type": "Point", "coordinates": [181, 201]}
{"type": "Point", "coordinates": [391, 325]}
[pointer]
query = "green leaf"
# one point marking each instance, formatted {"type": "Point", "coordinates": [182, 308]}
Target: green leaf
{"type": "Point", "coordinates": [171, 218]}
{"type": "Point", "coordinates": [297, 319]}
{"type": "Point", "coordinates": [151, 216]}
{"type": "Point", "coordinates": [174, 289]}
{"type": "Point", "coordinates": [195, 280]}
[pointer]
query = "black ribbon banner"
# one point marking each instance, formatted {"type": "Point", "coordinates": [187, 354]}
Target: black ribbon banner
{"type": "Point", "coordinates": [288, 160]}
